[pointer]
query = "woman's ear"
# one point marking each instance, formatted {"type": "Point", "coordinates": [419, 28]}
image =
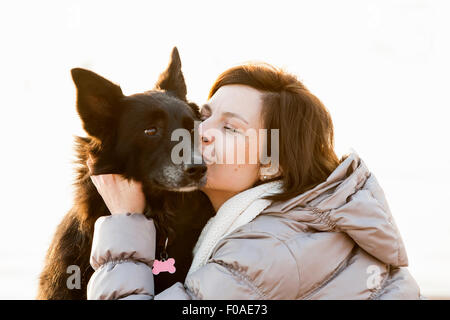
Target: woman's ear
{"type": "Point", "coordinates": [268, 172]}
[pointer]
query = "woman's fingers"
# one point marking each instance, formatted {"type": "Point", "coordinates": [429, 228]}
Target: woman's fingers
{"type": "Point", "coordinates": [119, 194]}
{"type": "Point", "coordinates": [103, 179]}
{"type": "Point", "coordinates": [94, 181]}
{"type": "Point", "coordinates": [90, 163]}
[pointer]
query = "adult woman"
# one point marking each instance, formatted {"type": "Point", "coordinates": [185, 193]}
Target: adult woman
{"type": "Point", "coordinates": [312, 227]}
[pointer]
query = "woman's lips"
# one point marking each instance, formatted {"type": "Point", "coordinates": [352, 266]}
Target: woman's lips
{"type": "Point", "coordinates": [208, 160]}
{"type": "Point", "coordinates": [208, 156]}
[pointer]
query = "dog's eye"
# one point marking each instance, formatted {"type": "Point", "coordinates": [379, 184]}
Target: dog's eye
{"type": "Point", "coordinates": [151, 132]}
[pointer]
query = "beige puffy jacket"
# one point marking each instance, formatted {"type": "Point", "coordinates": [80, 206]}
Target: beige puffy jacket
{"type": "Point", "coordinates": [335, 241]}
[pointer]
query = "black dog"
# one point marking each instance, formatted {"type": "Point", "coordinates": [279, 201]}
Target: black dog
{"type": "Point", "coordinates": [131, 136]}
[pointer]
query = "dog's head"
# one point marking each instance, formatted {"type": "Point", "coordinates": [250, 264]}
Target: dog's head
{"type": "Point", "coordinates": [132, 135]}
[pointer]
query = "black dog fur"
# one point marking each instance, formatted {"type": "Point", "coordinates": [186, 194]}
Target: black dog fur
{"type": "Point", "coordinates": [118, 143]}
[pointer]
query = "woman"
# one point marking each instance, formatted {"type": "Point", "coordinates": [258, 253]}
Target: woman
{"type": "Point", "coordinates": [312, 226]}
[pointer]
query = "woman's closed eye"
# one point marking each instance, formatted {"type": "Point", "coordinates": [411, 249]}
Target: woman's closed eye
{"type": "Point", "coordinates": [231, 129]}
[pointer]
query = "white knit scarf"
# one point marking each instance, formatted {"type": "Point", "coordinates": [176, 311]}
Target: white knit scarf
{"type": "Point", "coordinates": [235, 212]}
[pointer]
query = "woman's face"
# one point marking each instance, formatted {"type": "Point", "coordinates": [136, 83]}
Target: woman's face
{"type": "Point", "coordinates": [229, 148]}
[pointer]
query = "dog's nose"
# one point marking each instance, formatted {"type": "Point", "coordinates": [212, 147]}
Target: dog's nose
{"type": "Point", "coordinates": [195, 170]}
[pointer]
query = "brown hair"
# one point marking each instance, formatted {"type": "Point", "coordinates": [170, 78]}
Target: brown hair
{"type": "Point", "coordinates": [306, 145]}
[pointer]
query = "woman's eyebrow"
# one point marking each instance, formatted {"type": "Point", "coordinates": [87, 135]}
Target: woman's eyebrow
{"type": "Point", "coordinates": [207, 108]}
{"type": "Point", "coordinates": [234, 115]}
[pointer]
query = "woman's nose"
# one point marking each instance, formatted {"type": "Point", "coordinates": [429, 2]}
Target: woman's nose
{"type": "Point", "coordinates": [205, 137]}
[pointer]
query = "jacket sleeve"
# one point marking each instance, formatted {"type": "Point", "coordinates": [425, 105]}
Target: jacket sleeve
{"type": "Point", "coordinates": [123, 251]}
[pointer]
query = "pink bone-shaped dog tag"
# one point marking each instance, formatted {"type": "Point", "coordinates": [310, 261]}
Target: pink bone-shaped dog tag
{"type": "Point", "coordinates": [163, 265]}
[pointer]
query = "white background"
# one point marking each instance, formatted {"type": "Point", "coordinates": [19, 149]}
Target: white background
{"type": "Point", "coordinates": [380, 67]}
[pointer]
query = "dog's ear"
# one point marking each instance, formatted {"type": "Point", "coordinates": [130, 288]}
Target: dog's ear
{"type": "Point", "coordinates": [172, 79]}
{"type": "Point", "coordinates": [97, 101]}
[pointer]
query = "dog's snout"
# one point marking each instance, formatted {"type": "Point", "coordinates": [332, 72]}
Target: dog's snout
{"type": "Point", "coordinates": [195, 170]}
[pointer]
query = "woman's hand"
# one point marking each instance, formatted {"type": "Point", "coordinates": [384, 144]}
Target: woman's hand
{"type": "Point", "coordinates": [119, 195]}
